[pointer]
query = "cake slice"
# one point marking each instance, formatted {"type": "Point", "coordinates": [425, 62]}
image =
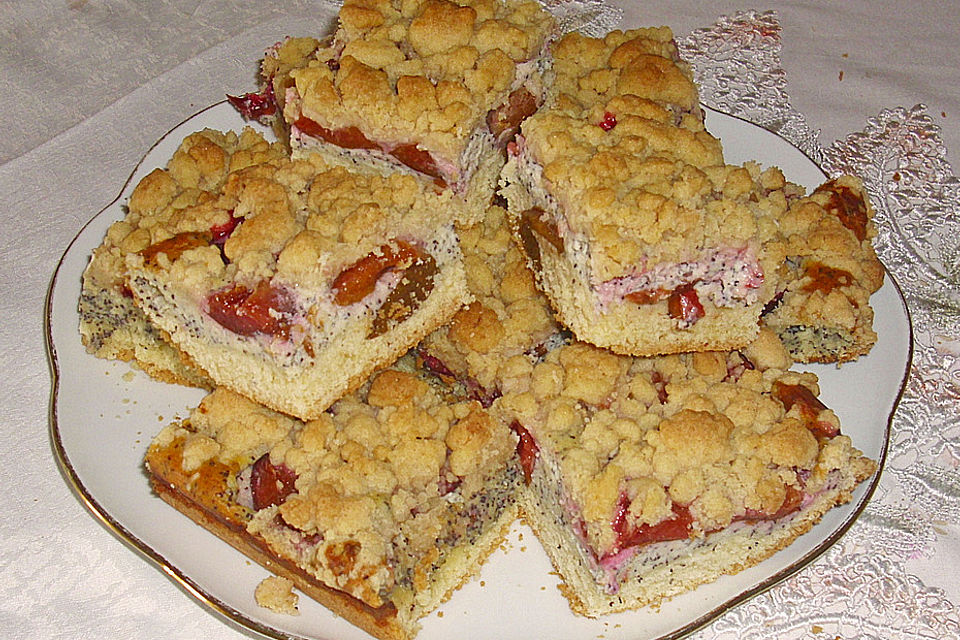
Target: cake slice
{"type": "Point", "coordinates": [294, 281]}
{"type": "Point", "coordinates": [111, 325]}
{"type": "Point", "coordinates": [644, 241]}
{"type": "Point", "coordinates": [508, 322]}
{"type": "Point", "coordinates": [430, 88]}
{"type": "Point", "coordinates": [823, 314]}
{"type": "Point", "coordinates": [649, 476]}
{"type": "Point", "coordinates": [378, 509]}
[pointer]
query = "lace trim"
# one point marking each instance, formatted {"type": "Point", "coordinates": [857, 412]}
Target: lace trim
{"type": "Point", "coordinates": [861, 588]}
{"type": "Point", "coordinates": [590, 17]}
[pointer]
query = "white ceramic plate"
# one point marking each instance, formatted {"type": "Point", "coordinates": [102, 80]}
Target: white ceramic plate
{"type": "Point", "coordinates": [103, 415]}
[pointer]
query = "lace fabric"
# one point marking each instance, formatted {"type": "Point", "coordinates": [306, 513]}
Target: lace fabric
{"type": "Point", "coordinates": [590, 17]}
{"type": "Point", "coordinates": [863, 586]}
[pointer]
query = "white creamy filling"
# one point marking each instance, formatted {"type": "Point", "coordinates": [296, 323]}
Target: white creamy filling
{"type": "Point", "coordinates": [728, 277]}
{"type": "Point", "coordinates": [530, 173]}
{"type": "Point", "coordinates": [245, 488]}
{"type": "Point", "coordinates": [336, 317]}
{"type": "Point", "coordinates": [552, 490]}
{"type": "Point", "coordinates": [480, 141]}
{"type": "Point", "coordinates": [328, 320]}
{"type": "Point", "coordinates": [443, 247]}
{"type": "Point", "coordinates": [530, 73]}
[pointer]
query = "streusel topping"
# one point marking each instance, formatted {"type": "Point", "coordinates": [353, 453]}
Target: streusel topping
{"type": "Point", "coordinates": [299, 220]}
{"type": "Point", "coordinates": [373, 474]}
{"type": "Point", "coordinates": [703, 430]}
{"type": "Point", "coordinates": [276, 593]}
{"type": "Point", "coordinates": [508, 317]}
{"type": "Point", "coordinates": [169, 200]}
{"type": "Point", "coordinates": [815, 229]}
{"type": "Point", "coordinates": [625, 157]}
{"type": "Point", "coordinates": [425, 71]}
{"type": "Point", "coordinates": [636, 72]}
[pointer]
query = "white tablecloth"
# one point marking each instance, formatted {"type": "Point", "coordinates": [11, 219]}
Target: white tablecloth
{"type": "Point", "coordinates": [87, 86]}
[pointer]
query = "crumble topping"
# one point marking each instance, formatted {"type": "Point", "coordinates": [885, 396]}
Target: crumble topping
{"type": "Point", "coordinates": [385, 481]}
{"type": "Point", "coordinates": [276, 593]}
{"type": "Point", "coordinates": [707, 432]}
{"type": "Point", "coordinates": [424, 71]}
{"type": "Point", "coordinates": [623, 169]}
{"type": "Point", "coordinates": [638, 210]}
{"type": "Point", "coordinates": [111, 325]}
{"type": "Point", "coordinates": [635, 72]}
{"type": "Point", "coordinates": [170, 200]}
{"type": "Point", "coordinates": [285, 232]}
{"type": "Point", "coordinates": [509, 316]}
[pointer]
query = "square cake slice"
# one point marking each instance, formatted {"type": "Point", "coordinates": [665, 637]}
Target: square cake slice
{"type": "Point", "coordinates": [378, 509]}
{"type": "Point", "coordinates": [294, 281]}
{"type": "Point", "coordinates": [823, 313]}
{"type": "Point", "coordinates": [649, 476]}
{"type": "Point", "coordinates": [430, 88]}
{"type": "Point", "coordinates": [111, 325]}
{"type": "Point", "coordinates": [508, 323]}
{"type": "Point", "coordinates": [644, 241]}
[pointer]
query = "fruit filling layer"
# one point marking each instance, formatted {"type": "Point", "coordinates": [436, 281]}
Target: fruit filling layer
{"type": "Point", "coordinates": [727, 278]}
{"type": "Point", "coordinates": [624, 453]}
{"type": "Point", "coordinates": [370, 497]}
{"type": "Point", "coordinates": [392, 281]}
{"type": "Point", "coordinates": [408, 154]}
{"type": "Point", "coordinates": [501, 125]}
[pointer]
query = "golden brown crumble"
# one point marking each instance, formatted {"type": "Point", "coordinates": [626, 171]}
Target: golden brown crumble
{"type": "Point", "coordinates": [624, 153]}
{"type": "Point", "coordinates": [509, 315]}
{"type": "Point", "coordinates": [299, 220]}
{"type": "Point", "coordinates": [686, 429]}
{"type": "Point", "coordinates": [636, 72]}
{"type": "Point", "coordinates": [370, 473]}
{"type": "Point", "coordinates": [111, 325]}
{"type": "Point", "coordinates": [170, 200]}
{"type": "Point", "coordinates": [276, 593]}
{"type": "Point", "coordinates": [426, 71]}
